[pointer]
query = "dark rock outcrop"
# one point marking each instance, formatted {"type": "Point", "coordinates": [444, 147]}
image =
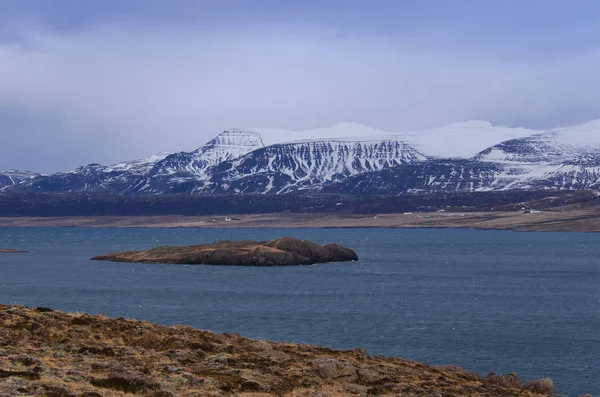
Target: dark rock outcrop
{"type": "Point", "coordinates": [511, 381]}
{"type": "Point", "coordinates": [278, 252]}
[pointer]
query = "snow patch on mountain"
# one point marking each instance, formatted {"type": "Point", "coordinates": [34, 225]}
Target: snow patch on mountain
{"type": "Point", "coordinates": [462, 140]}
{"type": "Point", "coordinates": [14, 177]}
{"type": "Point", "coordinates": [137, 166]}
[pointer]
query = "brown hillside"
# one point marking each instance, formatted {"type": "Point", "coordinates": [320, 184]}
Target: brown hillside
{"type": "Point", "coordinates": [50, 353]}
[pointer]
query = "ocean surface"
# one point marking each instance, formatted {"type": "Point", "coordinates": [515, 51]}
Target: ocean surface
{"type": "Point", "coordinates": [485, 300]}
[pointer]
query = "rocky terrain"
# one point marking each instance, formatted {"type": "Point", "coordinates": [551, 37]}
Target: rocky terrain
{"type": "Point", "coordinates": [44, 352]}
{"type": "Point", "coordinates": [277, 252]}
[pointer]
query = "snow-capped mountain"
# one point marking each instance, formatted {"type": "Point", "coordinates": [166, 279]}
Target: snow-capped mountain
{"type": "Point", "coordinates": [565, 158]}
{"type": "Point", "coordinates": [275, 161]}
{"type": "Point", "coordinates": [191, 167]}
{"type": "Point", "coordinates": [95, 178]}
{"type": "Point", "coordinates": [554, 145]}
{"type": "Point", "coordinates": [561, 159]}
{"type": "Point", "coordinates": [350, 158]}
{"type": "Point", "coordinates": [306, 165]}
{"type": "Point", "coordinates": [14, 177]}
{"type": "Point", "coordinates": [194, 172]}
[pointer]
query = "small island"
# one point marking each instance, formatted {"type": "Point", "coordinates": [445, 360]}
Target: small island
{"type": "Point", "coordinates": [277, 252]}
{"type": "Point", "coordinates": [10, 251]}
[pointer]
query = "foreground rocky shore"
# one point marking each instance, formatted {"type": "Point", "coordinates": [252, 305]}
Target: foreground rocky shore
{"type": "Point", "coordinates": [277, 252]}
{"type": "Point", "coordinates": [51, 353]}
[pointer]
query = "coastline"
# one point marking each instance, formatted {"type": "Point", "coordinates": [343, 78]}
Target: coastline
{"type": "Point", "coordinates": [54, 353]}
{"type": "Point", "coordinates": [568, 220]}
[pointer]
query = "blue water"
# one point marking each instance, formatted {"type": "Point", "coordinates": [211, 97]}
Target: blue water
{"type": "Point", "coordinates": [485, 300]}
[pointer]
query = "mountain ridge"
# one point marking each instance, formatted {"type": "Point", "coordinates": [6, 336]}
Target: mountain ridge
{"type": "Point", "coordinates": [351, 158]}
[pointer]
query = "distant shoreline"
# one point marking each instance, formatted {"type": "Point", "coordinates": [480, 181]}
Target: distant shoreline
{"type": "Point", "coordinates": [572, 220]}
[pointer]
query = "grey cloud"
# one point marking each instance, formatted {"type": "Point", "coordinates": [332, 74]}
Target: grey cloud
{"type": "Point", "coordinates": [112, 94]}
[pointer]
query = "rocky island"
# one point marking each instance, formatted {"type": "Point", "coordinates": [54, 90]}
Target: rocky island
{"type": "Point", "coordinates": [44, 352]}
{"type": "Point", "coordinates": [9, 251]}
{"type": "Point", "coordinates": [277, 252]}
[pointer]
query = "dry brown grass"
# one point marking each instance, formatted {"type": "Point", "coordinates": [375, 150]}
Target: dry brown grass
{"type": "Point", "coordinates": [51, 353]}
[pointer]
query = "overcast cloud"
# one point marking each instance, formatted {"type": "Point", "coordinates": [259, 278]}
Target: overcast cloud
{"type": "Point", "coordinates": [122, 80]}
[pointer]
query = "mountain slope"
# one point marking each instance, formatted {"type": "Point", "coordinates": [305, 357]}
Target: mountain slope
{"type": "Point", "coordinates": [14, 177]}
{"type": "Point", "coordinates": [566, 159]}
{"type": "Point", "coordinates": [93, 178]}
{"type": "Point", "coordinates": [306, 165]}
{"type": "Point", "coordinates": [437, 175]}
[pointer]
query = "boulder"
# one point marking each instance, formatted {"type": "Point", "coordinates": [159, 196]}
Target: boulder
{"type": "Point", "coordinates": [540, 386]}
{"type": "Point", "coordinates": [356, 389]}
{"type": "Point", "coordinates": [330, 368]}
{"type": "Point", "coordinates": [511, 381]}
{"type": "Point", "coordinates": [337, 253]}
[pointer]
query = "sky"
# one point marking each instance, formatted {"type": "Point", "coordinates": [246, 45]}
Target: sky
{"type": "Point", "coordinates": [101, 81]}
